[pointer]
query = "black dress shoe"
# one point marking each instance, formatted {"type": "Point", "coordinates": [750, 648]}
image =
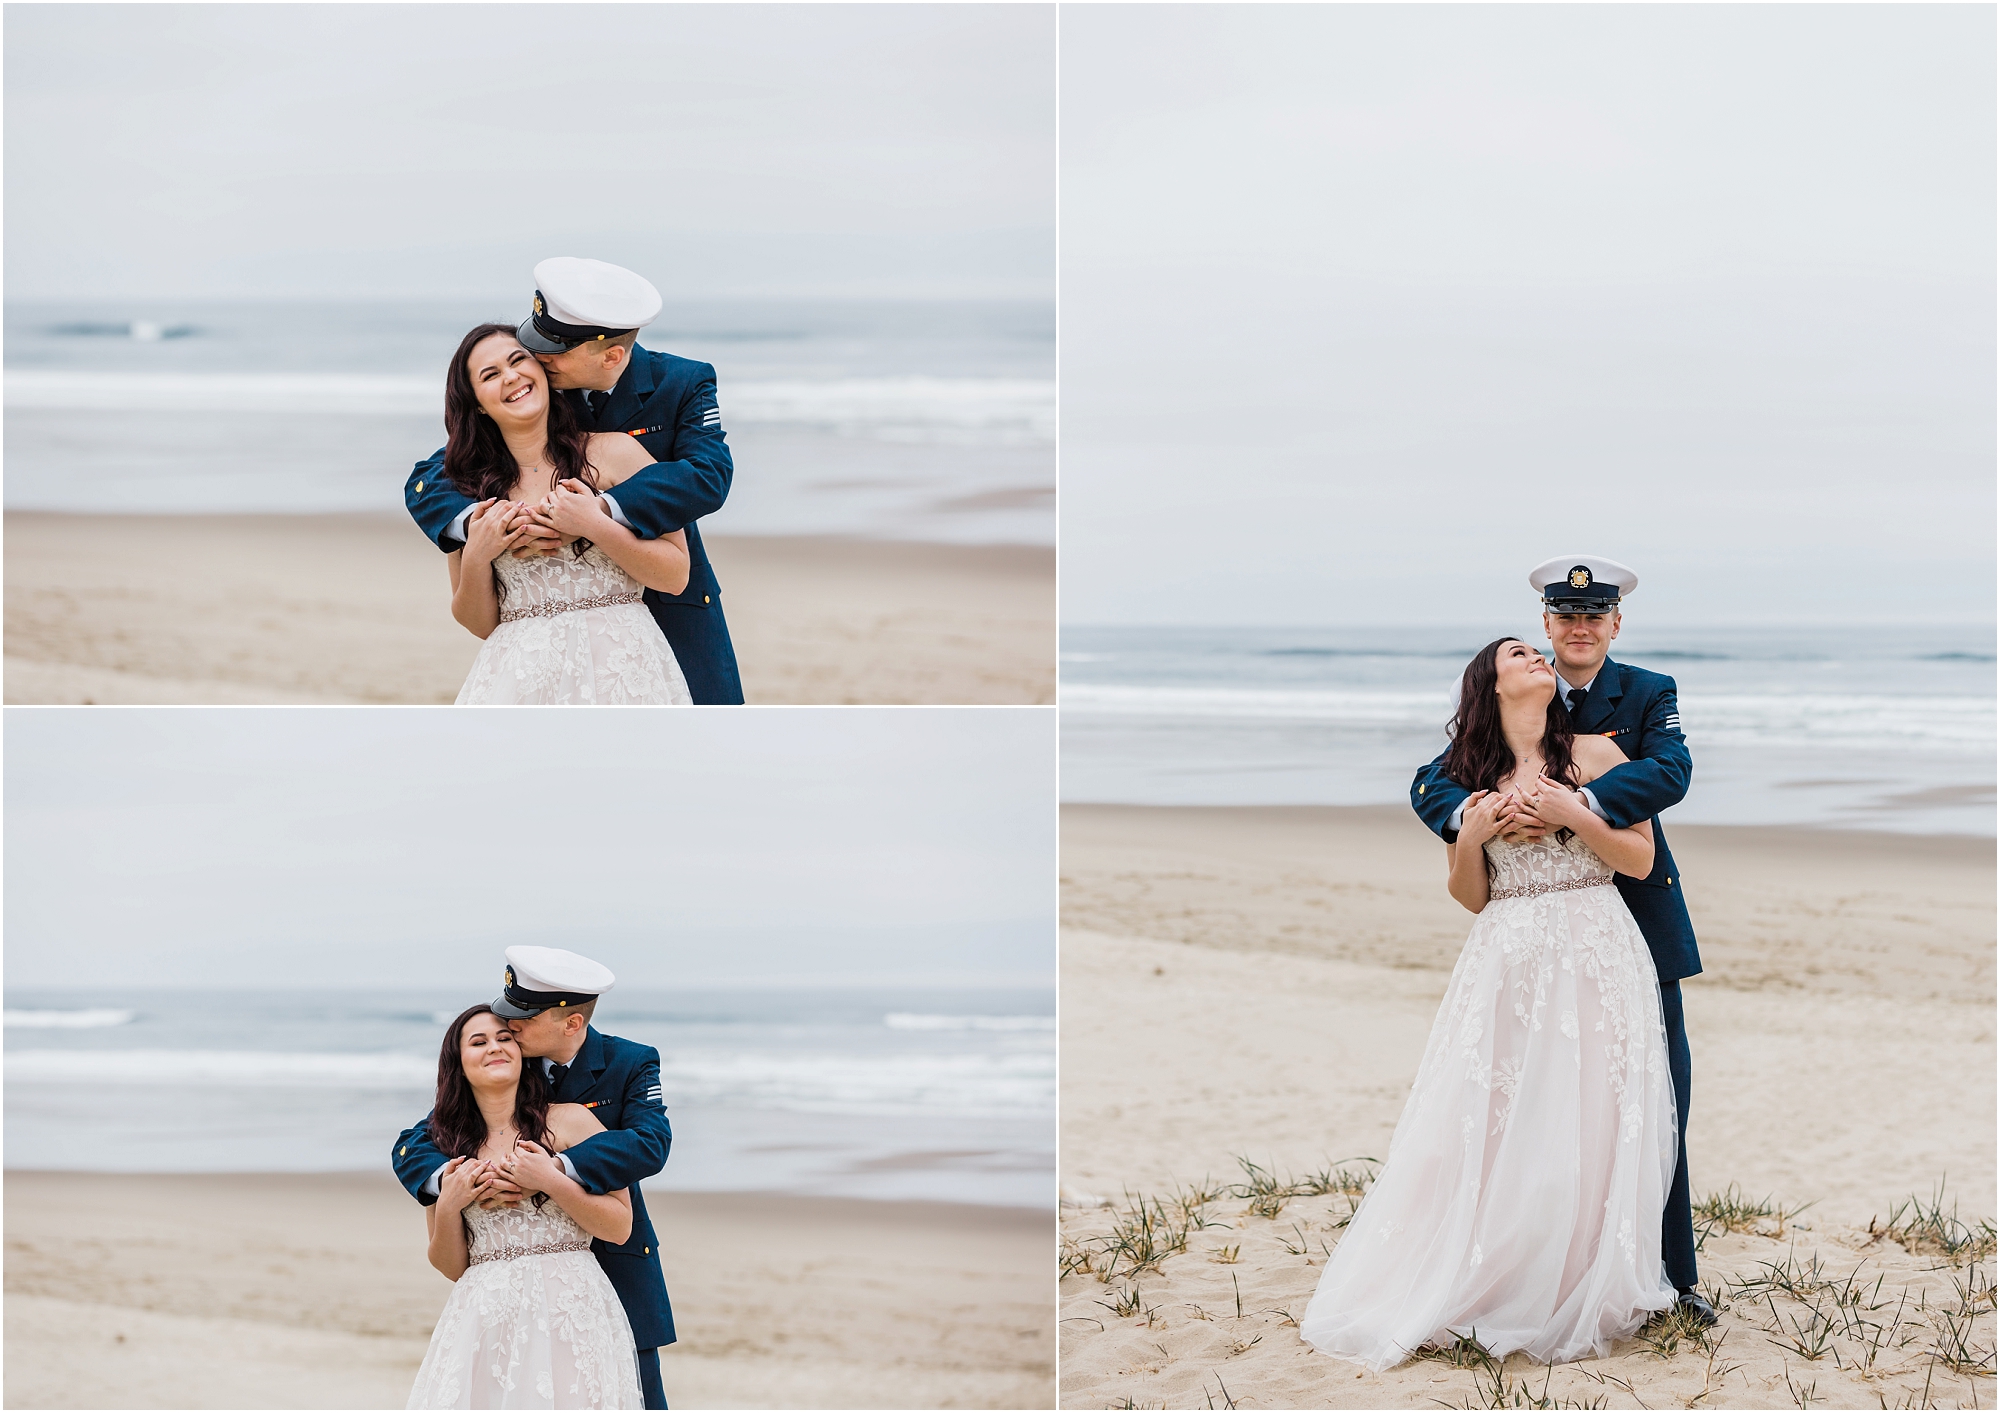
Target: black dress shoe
{"type": "Point", "coordinates": [1694, 1307]}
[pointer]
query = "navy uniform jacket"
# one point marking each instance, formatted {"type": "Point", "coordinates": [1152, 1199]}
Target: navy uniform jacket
{"type": "Point", "coordinates": [1639, 711]}
{"type": "Point", "coordinates": [670, 403]}
{"type": "Point", "coordinates": [620, 1083]}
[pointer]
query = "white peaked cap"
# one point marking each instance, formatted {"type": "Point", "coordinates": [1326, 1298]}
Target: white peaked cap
{"type": "Point", "coordinates": [590, 292]}
{"type": "Point", "coordinates": [1602, 571]}
{"type": "Point", "coordinates": [553, 969]}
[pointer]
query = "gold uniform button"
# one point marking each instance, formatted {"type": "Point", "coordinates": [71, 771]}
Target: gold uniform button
{"type": "Point", "coordinates": [704, 598]}
{"type": "Point", "coordinates": [420, 488]}
{"type": "Point", "coordinates": [645, 1251]}
{"type": "Point", "coordinates": [404, 1154]}
{"type": "Point", "coordinates": [1420, 789]}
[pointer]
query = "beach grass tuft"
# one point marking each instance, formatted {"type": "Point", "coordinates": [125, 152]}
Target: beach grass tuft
{"type": "Point", "coordinates": [1266, 1193]}
{"type": "Point", "coordinates": [1924, 1227]}
{"type": "Point", "coordinates": [1125, 1303]}
{"type": "Point", "coordinates": [1730, 1211]}
{"type": "Point", "coordinates": [1460, 1352]}
{"type": "Point", "coordinates": [1493, 1387]}
{"type": "Point", "coordinates": [1666, 1332]}
{"type": "Point", "coordinates": [1146, 1233]}
{"type": "Point", "coordinates": [1955, 1325]}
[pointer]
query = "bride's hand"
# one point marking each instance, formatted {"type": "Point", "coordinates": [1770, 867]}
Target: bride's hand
{"type": "Point", "coordinates": [532, 1168]}
{"type": "Point", "coordinates": [574, 510]}
{"type": "Point", "coordinates": [492, 531]}
{"type": "Point", "coordinates": [460, 1186]}
{"type": "Point", "coordinates": [1481, 820]}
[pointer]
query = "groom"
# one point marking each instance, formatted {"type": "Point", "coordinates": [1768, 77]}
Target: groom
{"type": "Point", "coordinates": [1639, 711]}
{"type": "Point", "coordinates": [584, 328]}
{"type": "Point", "coordinates": [549, 999]}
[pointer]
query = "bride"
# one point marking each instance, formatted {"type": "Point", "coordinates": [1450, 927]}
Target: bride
{"type": "Point", "coordinates": [1521, 1197]}
{"type": "Point", "coordinates": [565, 626]}
{"type": "Point", "coordinates": [533, 1321]}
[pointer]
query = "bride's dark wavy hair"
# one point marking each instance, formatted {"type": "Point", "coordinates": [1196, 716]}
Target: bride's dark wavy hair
{"type": "Point", "coordinates": [1479, 757]}
{"type": "Point", "coordinates": [476, 458]}
{"type": "Point", "coordinates": [457, 1127]}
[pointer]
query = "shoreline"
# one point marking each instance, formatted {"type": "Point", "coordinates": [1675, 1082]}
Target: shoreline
{"type": "Point", "coordinates": [1396, 810]}
{"type": "Point", "coordinates": [311, 1290]}
{"type": "Point", "coordinates": [351, 608]}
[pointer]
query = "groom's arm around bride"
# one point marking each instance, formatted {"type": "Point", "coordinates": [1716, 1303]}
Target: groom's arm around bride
{"type": "Point", "coordinates": [665, 403]}
{"type": "Point", "coordinates": [605, 1162]}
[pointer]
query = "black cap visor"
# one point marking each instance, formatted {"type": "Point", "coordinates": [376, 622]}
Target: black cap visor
{"type": "Point", "coordinates": [1593, 607]}
{"type": "Point", "coordinates": [542, 332]}
{"type": "Point", "coordinates": [535, 341]}
{"type": "Point", "coordinates": [518, 1003]}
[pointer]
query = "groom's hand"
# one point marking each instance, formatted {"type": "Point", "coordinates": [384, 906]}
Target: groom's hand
{"type": "Point", "coordinates": [496, 1187]}
{"type": "Point", "coordinates": [1557, 806]}
{"type": "Point", "coordinates": [533, 1168]}
{"type": "Point", "coordinates": [1519, 824]}
{"type": "Point", "coordinates": [572, 510]}
{"type": "Point", "coordinates": [536, 538]}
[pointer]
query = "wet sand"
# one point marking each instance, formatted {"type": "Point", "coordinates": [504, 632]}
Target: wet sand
{"type": "Point", "coordinates": [301, 1291]}
{"type": "Point", "coordinates": [280, 609]}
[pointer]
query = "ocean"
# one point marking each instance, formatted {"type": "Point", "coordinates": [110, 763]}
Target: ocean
{"type": "Point", "coordinates": [1868, 728]}
{"type": "Point", "coordinates": [911, 421]}
{"type": "Point", "coordinates": [944, 1095]}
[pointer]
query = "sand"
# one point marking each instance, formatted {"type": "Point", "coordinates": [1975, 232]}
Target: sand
{"type": "Point", "coordinates": [1260, 983]}
{"type": "Point", "coordinates": [281, 609]}
{"type": "Point", "coordinates": [301, 1291]}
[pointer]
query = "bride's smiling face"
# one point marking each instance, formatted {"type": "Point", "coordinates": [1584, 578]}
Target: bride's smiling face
{"type": "Point", "coordinates": [489, 1052]}
{"type": "Point", "coordinates": [1524, 674]}
{"type": "Point", "coordinates": [511, 386]}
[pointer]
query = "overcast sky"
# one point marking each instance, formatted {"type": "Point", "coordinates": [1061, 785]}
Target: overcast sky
{"type": "Point", "coordinates": [391, 151]}
{"type": "Point", "coordinates": [1369, 309]}
{"type": "Point", "coordinates": [277, 847]}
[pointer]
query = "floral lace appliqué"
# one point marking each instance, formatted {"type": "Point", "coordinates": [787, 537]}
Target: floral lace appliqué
{"type": "Point", "coordinates": [577, 631]}
{"type": "Point", "coordinates": [535, 1313]}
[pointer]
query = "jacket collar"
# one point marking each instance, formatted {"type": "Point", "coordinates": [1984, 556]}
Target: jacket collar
{"type": "Point", "coordinates": [1602, 698]}
{"type": "Point", "coordinates": [635, 386]}
{"type": "Point", "coordinates": [585, 1067]}
{"type": "Point", "coordinates": [591, 1056]}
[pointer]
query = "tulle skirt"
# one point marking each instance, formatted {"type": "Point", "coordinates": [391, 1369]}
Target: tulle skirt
{"type": "Point", "coordinates": [614, 656]}
{"type": "Point", "coordinates": [1521, 1197]}
{"type": "Point", "coordinates": [542, 1331]}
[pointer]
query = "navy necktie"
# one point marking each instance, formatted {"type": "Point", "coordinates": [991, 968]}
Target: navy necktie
{"type": "Point", "coordinates": [598, 401]}
{"type": "Point", "coordinates": [556, 1073]}
{"type": "Point", "coordinates": [1576, 696]}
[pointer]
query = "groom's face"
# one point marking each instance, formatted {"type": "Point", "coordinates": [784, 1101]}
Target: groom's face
{"type": "Point", "coordinates": [1582, 640]}
{"type": "Point", "coordinates": [588, 365]}
{"type": "Point", "coordinates": [545, 1033]}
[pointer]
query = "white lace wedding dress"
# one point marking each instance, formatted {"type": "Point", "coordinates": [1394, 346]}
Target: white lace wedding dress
{"type": "Point", "coordinates": [1521, 1195]}
{"type": "Point", "coordinates": [573, 630]}
{"type": "Point", "coordinates": [533, 1322]}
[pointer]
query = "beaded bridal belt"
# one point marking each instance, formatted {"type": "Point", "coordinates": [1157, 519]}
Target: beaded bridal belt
{"type": "Point", "coordinates": [547, 1248]}
{"type": "Point", "coordinates": [551, 610]}
{"type": "Point", "coordinates": [1535, 890]}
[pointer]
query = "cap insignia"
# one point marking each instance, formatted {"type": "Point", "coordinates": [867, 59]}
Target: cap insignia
{"type": "Point", "coordinates": [508, 976]}
{"type": "Point", "coordinates": [1579, 578]}
{"type": "Point", "coordinates": [538, 304]}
